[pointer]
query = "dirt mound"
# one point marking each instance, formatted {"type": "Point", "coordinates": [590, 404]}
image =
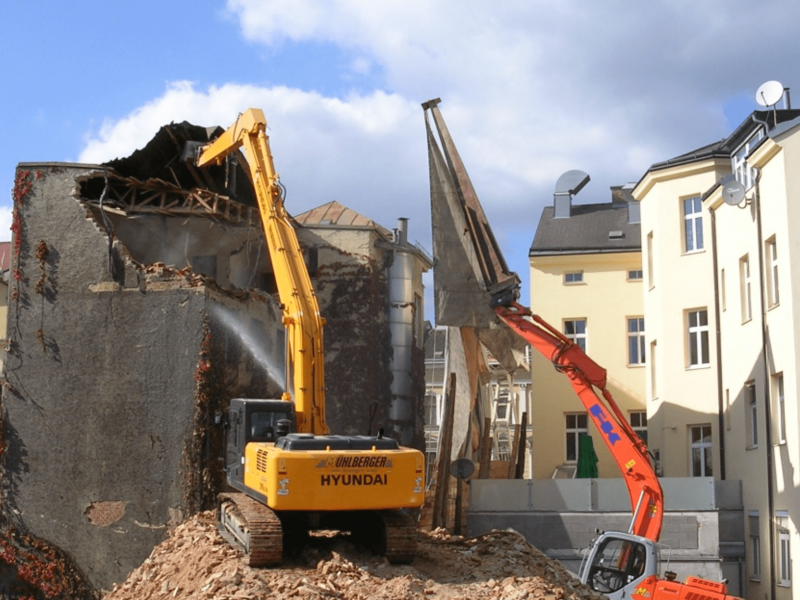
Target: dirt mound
{"type": "Point", "coordinates": [195, 562]}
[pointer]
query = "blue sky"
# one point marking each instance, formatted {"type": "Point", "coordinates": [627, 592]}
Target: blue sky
{"type": "Point", "coordinates": [530, 90]}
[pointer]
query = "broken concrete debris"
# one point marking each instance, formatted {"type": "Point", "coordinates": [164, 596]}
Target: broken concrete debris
{"type": "Point", "coordinates": [195, 562]}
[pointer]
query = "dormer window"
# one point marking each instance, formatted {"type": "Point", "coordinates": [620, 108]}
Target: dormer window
{"type": "Point", "coordinates": [744, 173]}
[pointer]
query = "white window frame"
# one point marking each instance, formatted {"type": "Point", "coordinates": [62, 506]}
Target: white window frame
{"type": "Point", "coordinates": [433, 408]}
{"type": "Point", "coordinates": [636, 340]}
{"type": "Point", "coordinates": [697, 339]}
{"type": "Point", "coordinates": [773, 291]}
{"type": "Point", "coordinates": [574, 425]}
{"type": "Point", "coordinates": [703, 447]}
{"type": "Point", "coordinates": [744, 172]}
{"type": "Point", "coordinates": [653, 370]}
{"type": "Point", "coordinates": [745, 288]}
{"type": "Point", "coordinates": [755, 545]}
{"type": "Point", "coordinates": [635, 274]}
{"type": "Point", "coordinates": [573, 278]}
{"type": "Point", "coordinates": [579, 338]}
{"type": "Point", "coordinates": [751, 418]}
{"type": "Point", "coordinates": [779, 394]}
{"type": "Point", "coordinates": [638, 421]}
{"type": "Point", "coordinates": [692, 210]}
{"type": "Point", "coordinates": [784, 548]}
{"type": "Point", "coordinates": [727, 409]}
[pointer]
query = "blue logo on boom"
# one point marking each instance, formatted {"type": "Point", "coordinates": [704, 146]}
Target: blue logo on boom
{"type": "Point", "coordinates": [605, 425]}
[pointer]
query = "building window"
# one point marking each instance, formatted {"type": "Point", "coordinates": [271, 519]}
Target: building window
{"type": "Point", "coordinates": [727, 409]}
{"type": "Point", "coordinates": [772, 272]}
{"type": "Point", "coordinates": [419, 321]}
{"type": "Point", "coordinates": [784, 549]}
{"type": "Point", "coordinates": [723, 298]}
{"type": "Point", "coordinates": [575, 330]}
{"type": "Point", "coordinates": [635, 275]}
{"type": "Point", "coordinates": [653, 379]}
{"type": "Point", "coordinates": [636, 341]}
{"type": "Point", "coordinates": [744, 172]}
{"type": "Point", "coordinates": [576, 424]}
{"type": "Point", "coordinates": [755, 546]}
{"type": "Point", "coordinates": [574, 277]}
{"type": "Point", "coordinates": [700, 450]}
{"type": "Point", "coordinates": [751, 418]}
{"type": "Point", "coordinates": [697, 330]}
{"type": "Point", "coordinates": [432, 410]}
{"type": "Point", "coordinates": [780, 400]}
{"type": "Point", "coordinates": [639, 423]}
{"type": "Point", "coordinates": [651, 278]}
{"type": "Point", "coordinates": [692, 224]}
{"type": "Point", "coordinates": [745, 285]}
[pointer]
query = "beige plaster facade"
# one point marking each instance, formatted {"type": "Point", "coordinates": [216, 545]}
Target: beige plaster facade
{"type": "Point", "coordinates": [678, 283]}
{"type": "Point", "coordinates": [744, 277]}
{"type": "Point", "coordinates": [605, 299]}
{"type": "Point", "coordinates": [607, 295]}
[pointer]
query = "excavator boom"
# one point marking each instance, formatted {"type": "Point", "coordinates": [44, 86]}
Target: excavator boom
{"type": "Point", "coordinates": [289, 474]}
{"type": "Point", "coordinates": [585, 375]}
{"type": "Point", "coordinates": [299, 304]}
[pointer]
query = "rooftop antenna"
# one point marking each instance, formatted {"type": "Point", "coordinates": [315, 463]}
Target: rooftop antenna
{"type": "Point", "coordinates": [769, 94]}
{"type": "Point", "coordinates": [733, 192]}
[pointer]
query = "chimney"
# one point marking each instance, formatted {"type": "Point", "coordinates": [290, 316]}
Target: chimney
{"type": "Point", "coordinates": [634, 208]}
{"type": "Point", "coordinates": [401, 233]}
{"type": "Point", "coordinates": [634, 212]}
{"type": "Point", "coordinates": [569, 184]}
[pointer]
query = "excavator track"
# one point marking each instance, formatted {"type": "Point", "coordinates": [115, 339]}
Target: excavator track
{"type": "Point", "coordinates": [253, 527]}
{"type": "Point", "coordinates": [400, 536]}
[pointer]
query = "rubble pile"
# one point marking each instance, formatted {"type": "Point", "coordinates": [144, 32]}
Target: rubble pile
{"type": "Point", "coordinates": [196, 562]}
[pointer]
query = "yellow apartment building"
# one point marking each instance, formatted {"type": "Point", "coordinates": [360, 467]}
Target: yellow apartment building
{"type": "Point", "coordinates": [721, 254]}
{"type": "Point", "coordinates": [586, 280]}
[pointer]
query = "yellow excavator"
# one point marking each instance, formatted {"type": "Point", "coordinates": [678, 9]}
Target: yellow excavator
{"type": "Point", "coordinates": [290, 475]}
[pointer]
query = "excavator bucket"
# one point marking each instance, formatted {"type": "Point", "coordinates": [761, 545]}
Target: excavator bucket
{"type": "Point", "coordinates": [469, 267]}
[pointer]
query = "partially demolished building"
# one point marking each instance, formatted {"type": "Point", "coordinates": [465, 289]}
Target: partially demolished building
{"type": "Point", "coordinates": [139, 305]}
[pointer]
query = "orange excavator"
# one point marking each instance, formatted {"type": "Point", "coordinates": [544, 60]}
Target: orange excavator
{"type": "Point", "coordinates": [289, 474]}
{"type": "Point", "coordinates": [618, 564]}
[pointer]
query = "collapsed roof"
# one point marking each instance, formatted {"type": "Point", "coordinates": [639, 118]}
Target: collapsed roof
{"type": "Point", "coordinates": [161, 178]}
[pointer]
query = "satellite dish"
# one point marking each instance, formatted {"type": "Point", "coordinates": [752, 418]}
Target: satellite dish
{"type": "Point", "coordinates": [732, 192]}
{"type": "Point", "coordinates": [769, 93]}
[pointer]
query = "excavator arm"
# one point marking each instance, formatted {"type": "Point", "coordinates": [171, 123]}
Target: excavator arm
{"type": "Point", "coordinates": [627, 448]}
{"type": "Point", "coordinates": [300, 309]}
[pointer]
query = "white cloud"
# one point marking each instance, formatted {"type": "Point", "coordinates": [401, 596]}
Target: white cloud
{"type": "Point", "coordinates": [529, 91]}
{"type": "Point", "coordinates": [5, 223]}
{"type": "Point", "coordinates": [357, 150]}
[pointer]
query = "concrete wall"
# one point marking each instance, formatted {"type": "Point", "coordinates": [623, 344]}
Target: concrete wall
{"type": "Point", "coordinates": [702, 535]}
{"type": "Point", "coordinates": [113, 384]}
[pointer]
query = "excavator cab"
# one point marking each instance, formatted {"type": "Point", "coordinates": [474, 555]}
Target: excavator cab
{"type": "Point", "coordinates": [251, 420]}
{"type": "Point", "coordinates": [617, 564]}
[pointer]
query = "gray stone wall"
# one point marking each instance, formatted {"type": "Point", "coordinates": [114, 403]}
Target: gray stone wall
{"type": "Point", "coordinates": [113, 379]}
